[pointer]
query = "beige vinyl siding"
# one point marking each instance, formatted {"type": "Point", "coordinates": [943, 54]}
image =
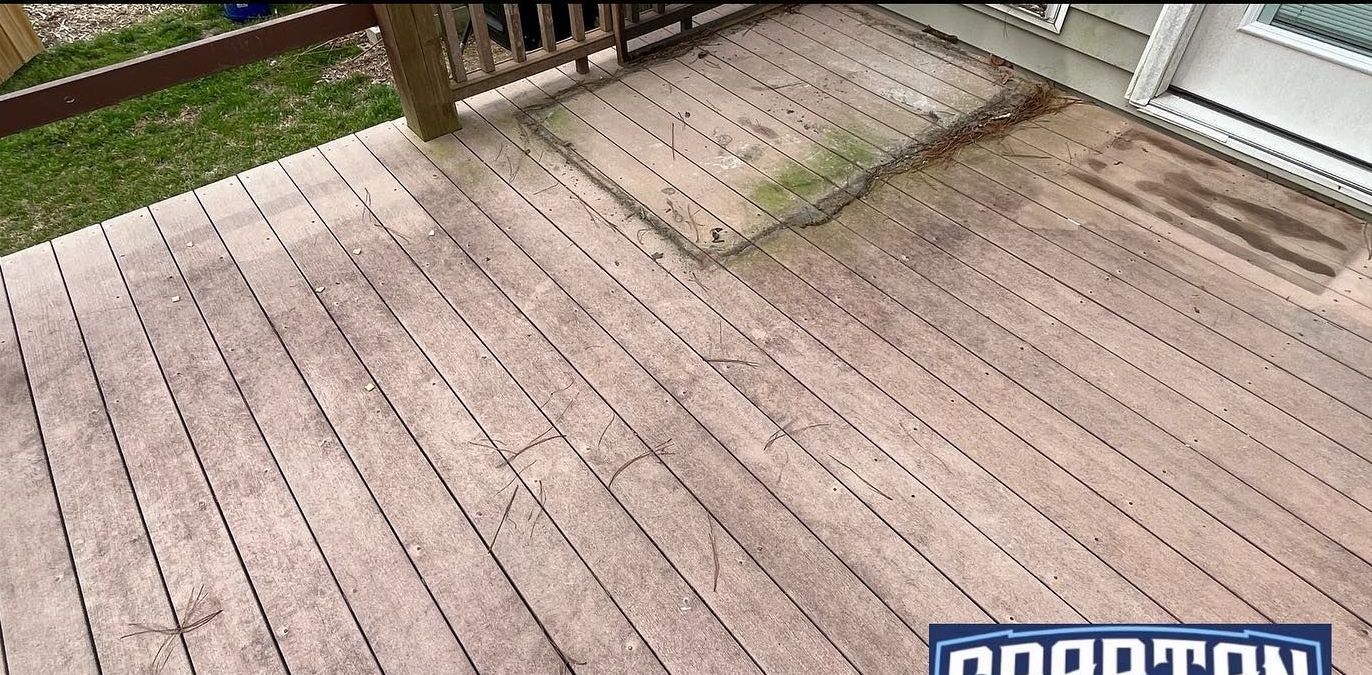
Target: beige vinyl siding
{"type": "Point", "coordinates": [1095, 52]}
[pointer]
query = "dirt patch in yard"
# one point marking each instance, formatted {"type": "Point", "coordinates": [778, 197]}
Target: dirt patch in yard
{"type": "Point", "coordinates": [62, 23]}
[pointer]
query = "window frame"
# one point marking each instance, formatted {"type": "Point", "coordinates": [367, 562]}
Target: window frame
{"type": "Point", "coordinates": [1055, 14]}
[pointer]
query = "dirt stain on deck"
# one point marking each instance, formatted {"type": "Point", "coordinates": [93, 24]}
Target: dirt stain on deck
{"type": "Point", "coordinates": [1255, 224]}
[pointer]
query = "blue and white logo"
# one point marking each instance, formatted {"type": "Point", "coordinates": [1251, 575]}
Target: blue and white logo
{"type": "Point", "coordinates": [1130, 649]}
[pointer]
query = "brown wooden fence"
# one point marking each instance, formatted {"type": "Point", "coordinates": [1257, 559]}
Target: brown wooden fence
{"type": "Point", "coordinates": [18, 42]}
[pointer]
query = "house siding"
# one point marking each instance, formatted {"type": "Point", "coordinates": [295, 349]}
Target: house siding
{"type": "Point", "coordinates": [1095, 53]}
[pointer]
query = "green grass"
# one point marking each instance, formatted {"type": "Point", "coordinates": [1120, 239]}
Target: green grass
{"type": "Point", "coordinates": [70, 174]}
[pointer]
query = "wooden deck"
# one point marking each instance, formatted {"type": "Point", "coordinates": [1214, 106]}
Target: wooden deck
{"type": "Point", "coordinates": [571, 388]}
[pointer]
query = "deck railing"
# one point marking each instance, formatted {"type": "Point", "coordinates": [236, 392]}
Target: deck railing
{"type": "Point", "coordinates": [84, 92]}
{"type": "Point", "coordinates": [423, 45]}
{"type": "Point", "coordinates": [570, 32]}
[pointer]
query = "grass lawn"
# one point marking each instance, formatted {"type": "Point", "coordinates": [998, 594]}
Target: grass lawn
{"type": "Point", "coordinates": [80, 171]}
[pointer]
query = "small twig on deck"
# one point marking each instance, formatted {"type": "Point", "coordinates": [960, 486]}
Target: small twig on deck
{"type": "Point", "coordinates": [548, 399]}
{"type": "Point", "coordinates": [517, 471]}
{"type": "Point", "coordinates": [503, 516]}
{"type": "Point", "coordinates": [604, 431]}
{"type": "Point", "coordinates": [537, 441]}
{"type": "Point", "coordinates": [488, 444]}
{"type": "Point", "coordinates": [695, 278]}
{"type": "Point", "coordinates": [919, 445]}
{"type": "Point", "coordinates": [658, 451]}
{"type": "Point", "coordinates": [183, 626]}
{"type": "Point", "coordinates": [538, 510]}
{"type": "Point", "coordinates": [567, 661]}
{"type": "Point", "coordinates": [1367, 236]}
{"type": "Point", "coordinates": [859, 477]}
{"type": "Point", "coordinates": [714, 551]}
{"type": "Point", "coordinates": [741, 362]}
{"type": "Point", "coordinates": [673, 128]}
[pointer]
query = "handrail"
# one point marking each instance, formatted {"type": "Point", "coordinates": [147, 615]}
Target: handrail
{"type": "Point", "coordinates": [83, 92]}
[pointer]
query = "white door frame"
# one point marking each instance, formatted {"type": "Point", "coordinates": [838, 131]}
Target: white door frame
{"type": "Point", "coordinates": [1304, 164]}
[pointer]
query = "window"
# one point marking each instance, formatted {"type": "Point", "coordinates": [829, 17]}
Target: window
{"type": "Point", "coordinates": [1043, 15]}
{"type": "Point", "coordinates": [1348, 26]}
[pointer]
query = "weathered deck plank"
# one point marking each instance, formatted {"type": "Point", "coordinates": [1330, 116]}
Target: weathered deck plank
{"type": "Point", "coordinates": [310, 618]}
{"type": "Point", "coordinates": [860, 28]}
{"type": "Point", "coordinates": [724, 454]}
{"type": "Point", "coordinates": [393, 605]}
{"type": "Point", "coordinates": [756, 611]}
{"type": "Point", "coordinates": [473, 590]}
{"type": "Point", "coordinates": [45, 627]}
{"type": "Point", "coordinates": [121, 583]}
{"type": "Point", "coordinates": [1350, 625]}
{"type": "Point", "coordinates": [194, 548]}
{"type": "Point", "coordinates": [990, 390]}
{"type": "Point", "coordinates": [479, 402]}
{"type": "Point", "coordinates": [989, 576]}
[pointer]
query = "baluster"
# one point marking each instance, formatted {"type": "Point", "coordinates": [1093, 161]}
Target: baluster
{"type": "Point", "coordinates": [453, 40]}
{"type": "Point", "coordinates": [545, 26]}
{"type": "Point", "coordinates": [476, 14]}
{"type": "Point", "coordinates": [574, 12]}
{"type": "Point", "coordinates": [514, 28]}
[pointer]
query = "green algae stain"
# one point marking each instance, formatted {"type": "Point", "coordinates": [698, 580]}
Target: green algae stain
{"type": "Point", "coordinates": [558, 121]}
{"type": "Point", "coordinates": [773, 198]}
{"type": "Point", "coordinates": [851, 147]}
{"type": "Point", "coordinates": [803, 182]}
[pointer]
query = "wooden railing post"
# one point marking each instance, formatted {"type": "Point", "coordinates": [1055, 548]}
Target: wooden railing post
{"type": "Point", "coordinates": [414, 48]}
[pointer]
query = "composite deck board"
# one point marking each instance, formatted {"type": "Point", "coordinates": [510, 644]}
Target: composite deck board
{"type": "Point", "coordinates": [393, 606]}
{"type": "Point", "coordinates": [765, 395]}
{"type": "Point", "coordinates": [1351, 625]}
{"type": "Point", "coordinates": [44, 621]}
{"type": "Point", "coordinates": [1261, 297]}
{"type": "Point", "coordinates": [1332, 345]}
{"type": "Point", "coordinates": [794, 88]}
{"type": "Point", "coordinates": [601, 161]}
{"type": "Point", "coordinates": [1106, 418]}
{"type": "Point", "coordinates": [876, 119]}
{"type": "Point", "coordinates": [754, 608]}
{"type": "Point", "coordinates": [299, 592]}
{"type": "Point", "coordinates": [1035, 382]}
{"type": "Point", "coordinates": [1292, 263]}
{"type": "Point", "coordinates": [1314, 368]}
{"type": "Point", "coordinates": [121, 583]}
{"type": "Point", "coordinates": [740, 122]}
{"type": "Point", "coordinates": [471, 587]}
{"type": "Point", "coordinates": [1338, 465]}
{"type": "Point", "coordinates": [562, 484]}
{"type": "Point", "coordinates": [828, 45]}
{"type": "Point", "coordinates": [832, 66]}
{"type": "Point", "coordinates": [761, 189]}
{"type": "Point", "coordinates": [771, 160]}
{"type": "Point", "coordinates": [925, 45]}
{"type": "Point", "coordinates": [1030, 421]}
{"type": "Point", "coordinates": [455, 431]}
{"type": "Point", "coordinates": [841, 31]}
{"type": "Point", "coordinates": [725, 451]}
{"type": "Point", "coordinates": [1205, 541]}
{"type": "Point", "coordinates": [1279, 479]}
{"type": "Point", "coordinates": [184, 518]}
{"type": "Point", "coordinates": [798, 117]}
{"type": "Point", "coordinates": [1286, 216]}
{"type": "Point", "coordinates": [892, 429]}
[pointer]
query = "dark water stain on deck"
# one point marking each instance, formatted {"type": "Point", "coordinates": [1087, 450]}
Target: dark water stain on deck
{"type": "Point", "coordinates": [1254, 224]}
{"type": "Point", "coordinates": [1132, 138]}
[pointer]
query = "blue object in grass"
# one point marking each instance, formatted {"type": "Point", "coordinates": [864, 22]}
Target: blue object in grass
{"type": "Point", "coordinates": [247, 11]}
